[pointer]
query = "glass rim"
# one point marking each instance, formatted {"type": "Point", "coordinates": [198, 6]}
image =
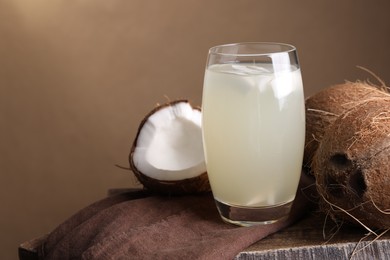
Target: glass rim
{"type": "Point", "coordinates": [289, 48]}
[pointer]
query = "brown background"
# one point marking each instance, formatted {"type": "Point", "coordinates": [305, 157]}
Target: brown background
{"type": "Point", "coordinates": [76, 78]}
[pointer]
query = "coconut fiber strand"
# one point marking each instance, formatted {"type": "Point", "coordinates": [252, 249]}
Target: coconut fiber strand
{"type": "Point", "coordinates": [137, 225]}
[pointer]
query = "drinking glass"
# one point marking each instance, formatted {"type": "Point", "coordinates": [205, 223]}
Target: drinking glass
{"type": "Point", "coordinates": [253, 123]}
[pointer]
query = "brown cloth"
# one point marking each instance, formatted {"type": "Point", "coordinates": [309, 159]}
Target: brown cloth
{"type": "Point", "coordinates": [135, 225]}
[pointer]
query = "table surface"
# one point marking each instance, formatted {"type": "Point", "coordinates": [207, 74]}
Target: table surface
{"type": "Point", "coordinates": [307, 239]}
{"type": "Point", "coordinates": [313, 237]}
{"type": "Point", "coordinates": [316, 237]}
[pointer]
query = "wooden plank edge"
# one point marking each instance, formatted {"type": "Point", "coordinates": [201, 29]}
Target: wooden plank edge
{"type": "Point", "coordinates": [29, 250]}
{"type": "Point", "coordinates": [378, 249]}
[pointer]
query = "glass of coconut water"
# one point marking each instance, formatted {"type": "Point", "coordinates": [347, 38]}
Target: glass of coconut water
{"type": "Point", "coordinates": [253, 123]}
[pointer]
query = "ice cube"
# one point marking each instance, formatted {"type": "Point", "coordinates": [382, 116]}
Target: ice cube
{"type": "Point", "coordinates": [245, 69]}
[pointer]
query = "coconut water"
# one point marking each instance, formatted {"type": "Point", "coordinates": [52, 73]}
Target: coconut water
{"type": "Point", "coordinates": [253, 122]}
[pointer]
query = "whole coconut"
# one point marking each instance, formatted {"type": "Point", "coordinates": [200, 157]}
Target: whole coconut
{"type": "Point", "coordinates": [323, 108]}
{"type": "Point", "coordinates": [351, 165]}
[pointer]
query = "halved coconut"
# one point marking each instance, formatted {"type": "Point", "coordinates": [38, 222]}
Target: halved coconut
{"type": "Point", "coordinates": [167, 153]}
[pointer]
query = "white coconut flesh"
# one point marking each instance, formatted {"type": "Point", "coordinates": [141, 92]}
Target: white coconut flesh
{"type": "Point", "coordinates": [169, 145]}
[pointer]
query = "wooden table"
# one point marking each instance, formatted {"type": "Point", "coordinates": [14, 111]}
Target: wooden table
{"type": "Point", "coordinates": [304, 240]}
{"type": "Point", "coordinates": [313, 237]}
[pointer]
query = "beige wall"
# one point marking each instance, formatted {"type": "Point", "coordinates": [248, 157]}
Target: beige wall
{"type": "Point", "coordinates": [76, 78]}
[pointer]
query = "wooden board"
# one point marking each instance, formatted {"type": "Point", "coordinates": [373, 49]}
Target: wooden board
{"type": "Point", "coordinates": [29, 249]}
{"type": "Point", "coordinates": [311, 239]}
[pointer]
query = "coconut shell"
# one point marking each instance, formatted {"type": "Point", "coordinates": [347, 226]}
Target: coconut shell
{"type": "Point", "coordinates": [351, 165]}
{"type": "Point", "coordinates": [323, 108]}
{"type": "Point", "coordinates": [198, 184]}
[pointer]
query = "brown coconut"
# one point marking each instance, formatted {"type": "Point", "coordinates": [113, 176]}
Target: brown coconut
{"type": "Point", "coordinates": [177, 121]}
{"type": "Point", "coordinates": [323, 108]}
{"type": "Point", "coordinates": [351, 165]}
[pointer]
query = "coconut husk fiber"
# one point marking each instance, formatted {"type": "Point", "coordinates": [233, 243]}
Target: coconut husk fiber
{"type": "Point", "coordinates": [324, 107]}
{"type": "Point", "coordinates": [139, 225]}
